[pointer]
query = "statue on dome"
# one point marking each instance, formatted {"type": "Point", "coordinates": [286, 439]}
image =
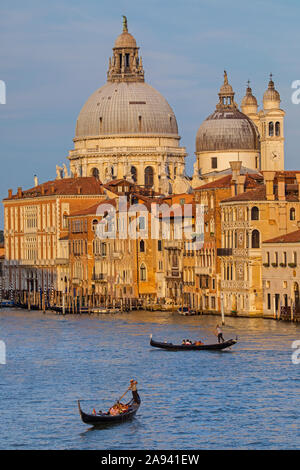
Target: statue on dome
{"type": "Point", "coordinates": [125, 28]}
{"type": "Point", "coordinates": [225, 78]}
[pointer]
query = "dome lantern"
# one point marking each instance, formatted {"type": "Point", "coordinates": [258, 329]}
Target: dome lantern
{"type": "Point", "coordinates": [125, 64]}
{"type": "Point", "coordinates": [226, 95]}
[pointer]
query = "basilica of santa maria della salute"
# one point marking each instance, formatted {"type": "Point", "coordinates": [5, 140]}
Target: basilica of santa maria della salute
{"type": "Point", "coordinates": [127, 143]}
{"type": "Point", "coordinates": [127, 129]}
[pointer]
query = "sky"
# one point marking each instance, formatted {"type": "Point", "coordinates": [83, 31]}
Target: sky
{"type": "Point", "coordinates": [54, 55]}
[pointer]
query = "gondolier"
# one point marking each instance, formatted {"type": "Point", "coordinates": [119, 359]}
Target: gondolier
{"type": "Point", "coordinates": [133, 388]}
{"type": "Point", "coordinates": [219, 334]}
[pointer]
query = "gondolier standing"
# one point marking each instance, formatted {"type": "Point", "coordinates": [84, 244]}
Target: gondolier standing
{"type": "Point", "coordinates": [132, 387]}
{"type": "Point", "coordinates": [219, 334]}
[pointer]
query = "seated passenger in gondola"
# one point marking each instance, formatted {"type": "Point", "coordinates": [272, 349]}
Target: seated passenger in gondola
{"type": "Point", "coordinates": [188, 342]}
{"type": "Point", "coordinates": [183, 342]}
{"type": "Point", "coordinates": [198, 343]}
{"type": "Point", "coordinates": [117, 409]}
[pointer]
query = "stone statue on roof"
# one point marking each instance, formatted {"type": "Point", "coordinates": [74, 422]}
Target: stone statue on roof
{"type": "Point", "coordinates": [125, 28]}
{"type": "Point", "coordinates": [225, 78]}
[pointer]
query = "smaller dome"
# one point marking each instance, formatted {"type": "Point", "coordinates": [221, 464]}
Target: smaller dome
{"type": "Point", "coordinates": [125, 39]}
{"type": "Point", "coordinates": [271, 96]}
{"type": "Point", "coordinates": [249, 99]}
{"type": "Point", "coordinates": [227, 129]}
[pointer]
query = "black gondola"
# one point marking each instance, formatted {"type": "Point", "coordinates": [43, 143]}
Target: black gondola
{"type": "Point", "coordinates": [192, 347]}
{"type": "Point", "coordinates": [105, 418]}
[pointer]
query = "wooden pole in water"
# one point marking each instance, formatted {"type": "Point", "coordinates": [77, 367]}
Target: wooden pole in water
{"type": "Point", "coordinates": [29, 299]}
{"type": "Point", "coordinates": [222, 309]}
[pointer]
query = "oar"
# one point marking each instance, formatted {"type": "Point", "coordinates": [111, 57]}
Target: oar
{"type": "Point", "coordinates": [118, 401]}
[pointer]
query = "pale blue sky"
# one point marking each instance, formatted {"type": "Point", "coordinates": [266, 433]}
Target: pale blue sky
{"type": "Point", "coordinates": [53, 55]}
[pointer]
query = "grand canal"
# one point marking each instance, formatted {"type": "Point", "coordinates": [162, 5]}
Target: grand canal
{"type": "Point", "coordinates": [245, 398]}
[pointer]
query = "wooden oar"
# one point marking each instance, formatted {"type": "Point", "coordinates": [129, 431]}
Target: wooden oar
{"type": "Point", "coordinates": [123, 395]}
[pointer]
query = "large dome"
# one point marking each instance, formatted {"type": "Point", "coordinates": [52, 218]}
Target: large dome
{"type": "Point", "coordinates": [126, 108]}
{"type": "Point", "coordinates": [227, 129]}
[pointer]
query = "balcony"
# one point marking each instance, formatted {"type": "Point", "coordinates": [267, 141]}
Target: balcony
{"type": "Point", "coordinates": [174, 274]}
{"type": "Point", "coordinates": [235, 285]}
{"type": "Point", "coordinates": [101, 277]}
{"type": "Point", "coordinates": [61, 261]}
{"type": "Point", "coordinates": [172, 244]}
{"type": "Point", "coordinates": [203, 270]}
{"type": "Point", "coordinates": [224, 251]}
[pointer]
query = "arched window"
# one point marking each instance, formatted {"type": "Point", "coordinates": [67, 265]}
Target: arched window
{"type": "Point", "coordinates": [292, 214]}
{"type": "Point", "coordinates": [271, 129]}
{"type": "Point", "coordinates": [94, 225]}
{"type": "Point", "coordinates": [254, 213]}
{"type": "Point", "coordinates": [255, 242]}
{"type": "Point", "coordinates": [142, 246]}
{"type": "Point", "coordinates": [133, 171]}
{"type": "Point", "coordinates": [143, 272]}
{"type": "Point", "coordinates": [149, 177]}
{"type": "Point", "coordinates": [95, 173]}
{"type": "Point", "coordinates": [277, 128]}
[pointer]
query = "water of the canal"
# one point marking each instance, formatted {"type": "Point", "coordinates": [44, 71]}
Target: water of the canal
{"type": "Point", "coordinates": [245, 398]}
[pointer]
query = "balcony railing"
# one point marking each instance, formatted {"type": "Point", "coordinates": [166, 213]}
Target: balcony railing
{"type": "Point", "coordinates": [101, 277]}
{"type": "Point", "coordinates": [62, 261]}
{"type": "Point", "coordinates": [174, 274]}
{"type": "Point", "coordinates": [224, 251]}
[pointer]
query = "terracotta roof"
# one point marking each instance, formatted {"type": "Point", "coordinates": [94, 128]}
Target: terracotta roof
{"type": "Point", "coordinates": [252, 180]}
{"type": "Point", "coordinates": [223, 182]}
{"type": "Point", "coordinates": [292, 237]}
{"type": "Point", "coordinates": [257, 194]}
{"type": "Point", "coordinates": [65, 186]}
{"type": "Point", "coordinates": [92, 210]}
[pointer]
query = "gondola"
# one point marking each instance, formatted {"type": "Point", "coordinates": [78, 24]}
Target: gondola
{"type": "Point", "coordinates": [192, 347]}
{"type": "Point", "coordinates": [105, 418]}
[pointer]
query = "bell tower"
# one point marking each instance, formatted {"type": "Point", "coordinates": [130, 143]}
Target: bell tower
{"type": "Point", "coordinates": [271, 130]}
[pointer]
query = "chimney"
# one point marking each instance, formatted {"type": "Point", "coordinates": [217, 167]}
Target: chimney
{"type": "Point", "coordinates": [298, 183]}
{"type": "Point", "coordinates": [36, 181]}
{"type": "Point", "coordinates": [43, 190]}
{"type": "Point", "coordinates": [9, 193]}
{"type": "Point", "coordinates": [19, 192]}
{"type": "Point", "coordinates": [52, 189]}
{"type": "Point", "coordinates": [269, 182]}
{"type": "Point", "coordinates": [281, 187]}
{"type": "Point", "coordinates": [241, 179]}
{"type": "Point", "coordinates": [235, 168]}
